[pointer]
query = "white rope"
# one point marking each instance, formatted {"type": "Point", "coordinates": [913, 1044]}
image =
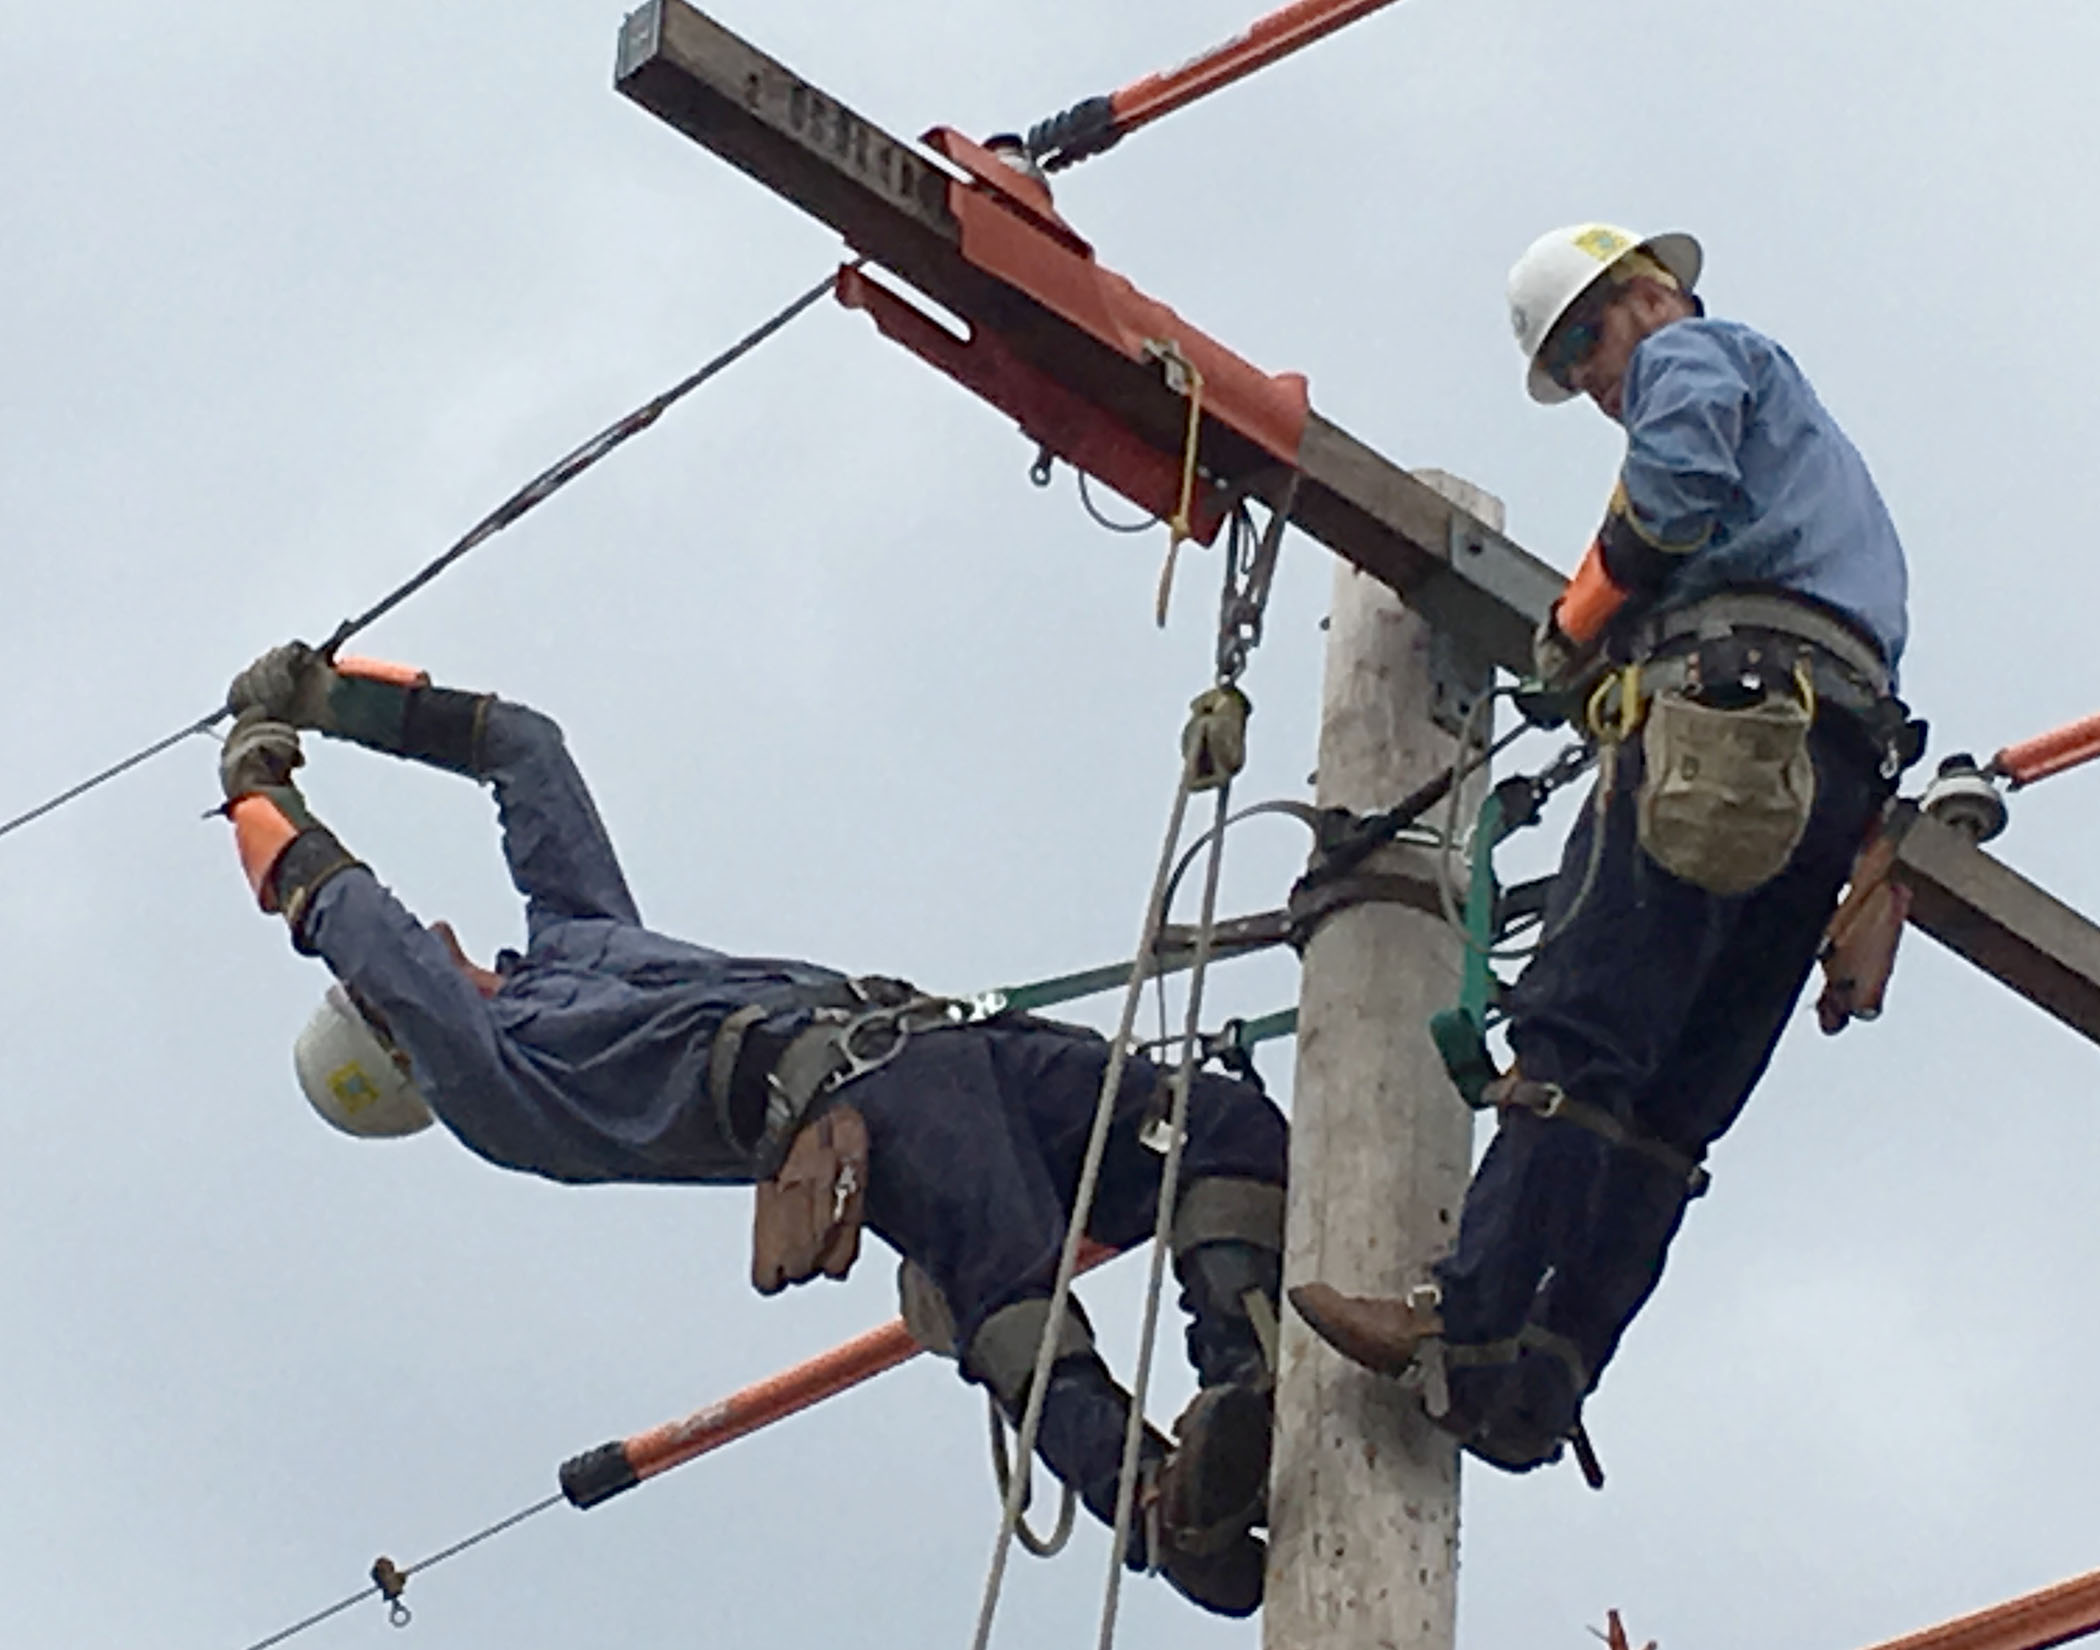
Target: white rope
{"type": "Point", "coordinates": [1233, 612]}
{"type": "Point", "coordinates": [1035, 1546]}
{"type": "Point", "coordinates": [1163, 1225]}
{"type": "Point", "coordinates": [1232, 615]}
{"type": "Point", "coordinates": [1083, 1201]}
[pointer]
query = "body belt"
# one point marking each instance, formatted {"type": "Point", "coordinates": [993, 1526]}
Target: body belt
{"type": "Point", "coordinates": [774, 1059]}
{"type": "Point", "coordinates": [1728, 612]}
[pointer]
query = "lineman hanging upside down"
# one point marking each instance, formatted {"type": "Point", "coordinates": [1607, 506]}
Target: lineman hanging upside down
{"type": "Point", "coordinates": [1742, 610]}
{"type": "Point", "coordinates": [608, 1052]}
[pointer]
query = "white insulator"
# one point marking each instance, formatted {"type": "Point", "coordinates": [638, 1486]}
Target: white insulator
{"type": "Point", "coordinates": [1963, 796]}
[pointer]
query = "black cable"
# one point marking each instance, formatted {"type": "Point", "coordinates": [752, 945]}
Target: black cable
{"type": "Point", "coordinates": [377, 1590]}
{"type": "Point", "coordinates": [1086, 498]}
{"type": "Point", "coordinates": [535, 492]}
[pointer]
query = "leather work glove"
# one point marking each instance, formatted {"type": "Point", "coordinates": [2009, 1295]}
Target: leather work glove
{"type": "Point", "coordinates": [1560, 662]}
{"type": "Point", "coordinates": [259, 754]}
{"type": "Point", "coordinates": [290, 684]}
{"type": "Point", "coordinates": [1564, 673]}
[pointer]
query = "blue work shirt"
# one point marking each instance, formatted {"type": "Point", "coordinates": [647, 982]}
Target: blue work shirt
{"type": "Point", "coordinates": [590, 1063]}
{"type": "Point", "coordinates": [1732, 463]}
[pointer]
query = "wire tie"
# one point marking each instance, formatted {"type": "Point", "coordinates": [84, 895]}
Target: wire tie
{"type": "Point", "coordinates": [389, 1578]}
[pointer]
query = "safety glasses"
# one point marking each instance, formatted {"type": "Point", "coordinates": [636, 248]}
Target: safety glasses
{"type": "Point", "coordinates": [1575, 337]}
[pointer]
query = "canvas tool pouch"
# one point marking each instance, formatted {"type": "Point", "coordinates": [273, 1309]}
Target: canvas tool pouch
{"type": "Point", "coordinates": [1727, 793]}
{"type": "Point", "coordinates": [807, 1218]}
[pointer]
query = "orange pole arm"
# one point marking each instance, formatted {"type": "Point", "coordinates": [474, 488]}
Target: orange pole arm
{"type": "Point", "coordinates": [2050, 753]}
{"type": "Point", "coordinates": [600, 1474]}
{"type": "Point", "coordinates": [1282, 32]}
{"type": "Point", "coordinates": [2038, 1621]}
{"type": "Point", "coordinates": [1100, 123]}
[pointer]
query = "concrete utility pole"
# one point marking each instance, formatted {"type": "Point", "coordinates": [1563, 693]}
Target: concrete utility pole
{"type": "Point", "coordinates": [1363, 1544]}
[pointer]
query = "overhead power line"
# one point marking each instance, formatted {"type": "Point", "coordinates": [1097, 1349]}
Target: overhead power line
{"type": "Point", "coordinates": [535, 492]}
{"type": "Point", "coordinates": [388, 1580]}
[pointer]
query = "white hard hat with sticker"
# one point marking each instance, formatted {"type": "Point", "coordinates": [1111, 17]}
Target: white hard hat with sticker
{"type": "Point", "coordinates": [352, 1078]}
{"type": "Point", "coordinates": [1561, 265]}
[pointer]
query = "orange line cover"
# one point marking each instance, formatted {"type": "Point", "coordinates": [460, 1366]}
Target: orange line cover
{"type": "Point", "coordinates": [2055, 1615]}
{"type": "Point", "coordinates": [2050, 753]}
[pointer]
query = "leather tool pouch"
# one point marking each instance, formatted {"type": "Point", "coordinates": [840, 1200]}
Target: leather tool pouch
{"type": "Point", "coordinates": [1727, 794]}
{"type": "Point", "coordinates": [1859, 950]}
{"type": "Point", "coordinates": [807, 1218]}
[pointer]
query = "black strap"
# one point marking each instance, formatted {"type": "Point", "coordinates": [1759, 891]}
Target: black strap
{"type": "Point", "coordinates": [1553, 1103]}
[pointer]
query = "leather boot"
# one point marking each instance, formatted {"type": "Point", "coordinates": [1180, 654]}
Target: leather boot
{"type": "Point", "coordinates": [1381, 1335]}
{"type": "Point", "coordinates": [1213, 1489]}
{"type": "Point", "coordinates": [1085, 1412]}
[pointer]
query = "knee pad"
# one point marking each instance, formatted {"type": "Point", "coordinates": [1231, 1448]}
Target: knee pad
{"type": "Point", "coordinates": [1221, 1209]}
{"type": "Point", "coordinates": [1002, 1354]}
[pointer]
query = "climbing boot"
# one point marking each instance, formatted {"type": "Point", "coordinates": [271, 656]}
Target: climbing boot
{"type": "Point", "coordinates": [1382, 1335]}
{"type": "Point", "coordinates": [1085, 1412]}
{"type": "Point", "coordinates": [1213, 1489]}
{"type": "Point", "coordinates": [1225, 1579]}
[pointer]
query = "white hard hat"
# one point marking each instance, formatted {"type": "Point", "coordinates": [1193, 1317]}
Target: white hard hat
{"type": "Point", "coordinates": [1559, 267]}
{"type": "Point", "coordinates": [352, 1078]}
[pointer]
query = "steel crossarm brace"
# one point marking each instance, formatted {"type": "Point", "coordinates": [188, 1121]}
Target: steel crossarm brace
{"type": "Point", "coordinates": [894, 202]}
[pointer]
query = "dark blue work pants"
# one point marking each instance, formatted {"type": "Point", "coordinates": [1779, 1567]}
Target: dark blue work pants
{"type": "Point", "coordinates": [975, 1142]}
{"type": "Point", "coordinates": [1659, 1003]}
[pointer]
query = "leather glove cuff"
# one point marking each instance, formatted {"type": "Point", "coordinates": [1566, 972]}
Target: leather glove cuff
{"type": "Point", "coordinates": [440, 726]}
{"type": "Point", "coordinates": [312, 859]}
{"type": "Point", "coordinates": [443, 727]}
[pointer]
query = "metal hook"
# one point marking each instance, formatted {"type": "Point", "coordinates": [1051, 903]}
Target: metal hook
{"type": "Point", "coordinates": [1039, 471]}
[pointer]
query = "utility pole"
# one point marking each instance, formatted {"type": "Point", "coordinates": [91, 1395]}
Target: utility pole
{"type": "Point", "coordinates": [1363, 1505]}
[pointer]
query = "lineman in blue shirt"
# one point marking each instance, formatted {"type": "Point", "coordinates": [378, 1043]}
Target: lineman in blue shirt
{"type": "Point", "coordinates": [1734, 633]}
{"type": "Point", "coordinates": [608, 1052]}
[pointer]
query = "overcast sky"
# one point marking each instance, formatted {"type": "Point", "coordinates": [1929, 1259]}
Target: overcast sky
{"type": "Point", "coordinates": [290, 295]}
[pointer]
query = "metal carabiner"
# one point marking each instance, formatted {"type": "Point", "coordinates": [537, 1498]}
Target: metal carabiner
{"type": "Point", "coordinates": [886, 1021]}
{"type": "Point", "coordinates": [898, 1023]}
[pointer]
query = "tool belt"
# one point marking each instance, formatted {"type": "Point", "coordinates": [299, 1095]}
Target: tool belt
{"type": "Point", "coordinates": [1723, 694]}
{"type": "Point", "coordinates": [772, 1074]}
{"type": "Point", "coordinates": [1737, 644]}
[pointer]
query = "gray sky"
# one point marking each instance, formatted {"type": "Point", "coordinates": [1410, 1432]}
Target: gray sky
{"type": "Point", "coordinates": [291, 295]}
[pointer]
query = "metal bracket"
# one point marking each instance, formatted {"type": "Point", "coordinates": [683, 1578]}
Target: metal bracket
{"type": "Point", "coordinates": [1460, 674]}
{"type": "Point", "coordinates": [639, 36]}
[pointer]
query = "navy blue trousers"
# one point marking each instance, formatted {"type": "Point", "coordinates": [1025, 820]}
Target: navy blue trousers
{"type": "Point", "coordinates": [1660, 1003]}
{"type": "Point", "coordinates": [975, 1143]}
